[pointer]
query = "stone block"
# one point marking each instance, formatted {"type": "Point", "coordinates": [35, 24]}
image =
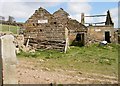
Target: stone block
{"type": "Point", "coordinates": [9, 60]}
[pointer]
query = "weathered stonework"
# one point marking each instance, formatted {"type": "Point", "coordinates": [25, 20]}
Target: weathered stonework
{"type": "Point", "coordinates": [48, 30]}
{"type": "Point", "coordinates": [97, 33]}
{"type": "Point", "coordinates": [45, 30]}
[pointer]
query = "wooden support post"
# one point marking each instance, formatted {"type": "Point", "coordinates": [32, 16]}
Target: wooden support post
{"type": "Point", "coordinates": [27, 42]}
{"type": "Point", "coordinates": [66, 39]}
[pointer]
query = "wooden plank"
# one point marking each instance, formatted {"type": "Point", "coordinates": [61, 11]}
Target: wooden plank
{"type": "Point", "coordinates": [96, 23]}
{"type": "Point", "coordinates": [96, 16]}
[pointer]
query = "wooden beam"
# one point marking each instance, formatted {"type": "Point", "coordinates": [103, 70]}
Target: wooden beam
{"type": "Point", "coordinates": [96, 16]}
{"type": "Point", "coordinates": [96, 23]}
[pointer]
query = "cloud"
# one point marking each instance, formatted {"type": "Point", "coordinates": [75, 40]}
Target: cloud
{"type": "Point", "coordinates": [32, 1]}
{"type": "Point", "coordinates": [15, 9]}
{"type": "Point", "coordinates": [59, 0]}
{"type": "Point", "coordinates": [78, 18]}
{"type": "Point", "coordinates": [113, 12]}
{"type": "Point", "coordinates": [77, 7]}
{"type": "Point", "coordinates": [77, 0]}
{"type": "Point", "coordinates": [96, 19]}
{"type": "Point", "coordinates": [114, 15]}
{"type": "Point", "coordinates": [22, 10]}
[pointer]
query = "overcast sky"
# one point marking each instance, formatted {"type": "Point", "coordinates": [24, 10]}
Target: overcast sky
{"type": "Point", "coordinates": [21, 10]}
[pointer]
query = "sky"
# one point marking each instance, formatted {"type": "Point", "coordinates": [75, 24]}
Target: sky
{"type": "Point", "coordinates": [21, 10]}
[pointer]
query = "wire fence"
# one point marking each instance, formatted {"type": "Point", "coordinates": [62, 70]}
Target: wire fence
{"type": "Point", "coordinates": [9, 29]}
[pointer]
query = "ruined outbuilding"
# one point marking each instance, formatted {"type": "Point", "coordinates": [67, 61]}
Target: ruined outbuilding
{"type": "Point", "coordinates": [58, 31]}
{"type": "Point", "coordinates": [54, 31]}
{"type": "Point", "coordinates": [101, 31]}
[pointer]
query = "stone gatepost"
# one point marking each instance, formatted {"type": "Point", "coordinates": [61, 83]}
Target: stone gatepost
{"type": "Point", "coordinates": [8, 60]}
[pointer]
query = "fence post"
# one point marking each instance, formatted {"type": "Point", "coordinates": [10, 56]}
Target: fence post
{"type": "Point", "coordinates": [66, 40]}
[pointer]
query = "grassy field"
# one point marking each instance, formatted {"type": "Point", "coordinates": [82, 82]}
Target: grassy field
{"type": "Point", "coordinates": [9, 29]}
{"type": "Point", "coordinates": [92, 59]}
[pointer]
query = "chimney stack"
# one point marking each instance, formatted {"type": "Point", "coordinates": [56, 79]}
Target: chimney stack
{"type": "Point", "coordinates": [82, 19]}
{"type": "Point", "coordinates": [109, 19]}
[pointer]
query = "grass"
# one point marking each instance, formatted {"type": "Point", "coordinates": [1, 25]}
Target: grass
{"type": "Point", "coordinates": [92, 59]}
{"type": "Point", "coordinates": [9, 28]}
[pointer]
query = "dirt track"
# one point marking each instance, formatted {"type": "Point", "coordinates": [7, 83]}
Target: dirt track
{"type": "Point", "coordinates": [28, 73]}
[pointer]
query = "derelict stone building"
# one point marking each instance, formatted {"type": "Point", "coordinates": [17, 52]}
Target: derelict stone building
{"type": "Point", "coordinates": [100, 31]}
{"type": "Point", "coordinates": [54, 31]}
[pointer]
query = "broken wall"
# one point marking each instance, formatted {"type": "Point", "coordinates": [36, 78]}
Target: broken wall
{"type": "Point", "coordinates": [76, 28]}
{"type": "Point", "coordinates": [48, 31]}
{"type": "Point", "coordinates": [97, 33]}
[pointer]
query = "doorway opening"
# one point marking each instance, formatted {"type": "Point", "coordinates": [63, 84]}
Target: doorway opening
{"type": "Point", "coordinates": [107, 36]}
{"type": "Point", "coordinates": [78, 37]}
{"type": "Point", "coordinates": [79, 40]}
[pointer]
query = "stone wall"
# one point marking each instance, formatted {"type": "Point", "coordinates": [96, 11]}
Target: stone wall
{"type": "Point", "coordinates": [47, 30]}
{"type": "Point", "coordinates": [76, 28]}
{"type": "Point", "coordinates": [44, 30]}
{"type": "Point", "coordinates": [97, 33]}
{"type": "Point", "coordinates": [116, 37]}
